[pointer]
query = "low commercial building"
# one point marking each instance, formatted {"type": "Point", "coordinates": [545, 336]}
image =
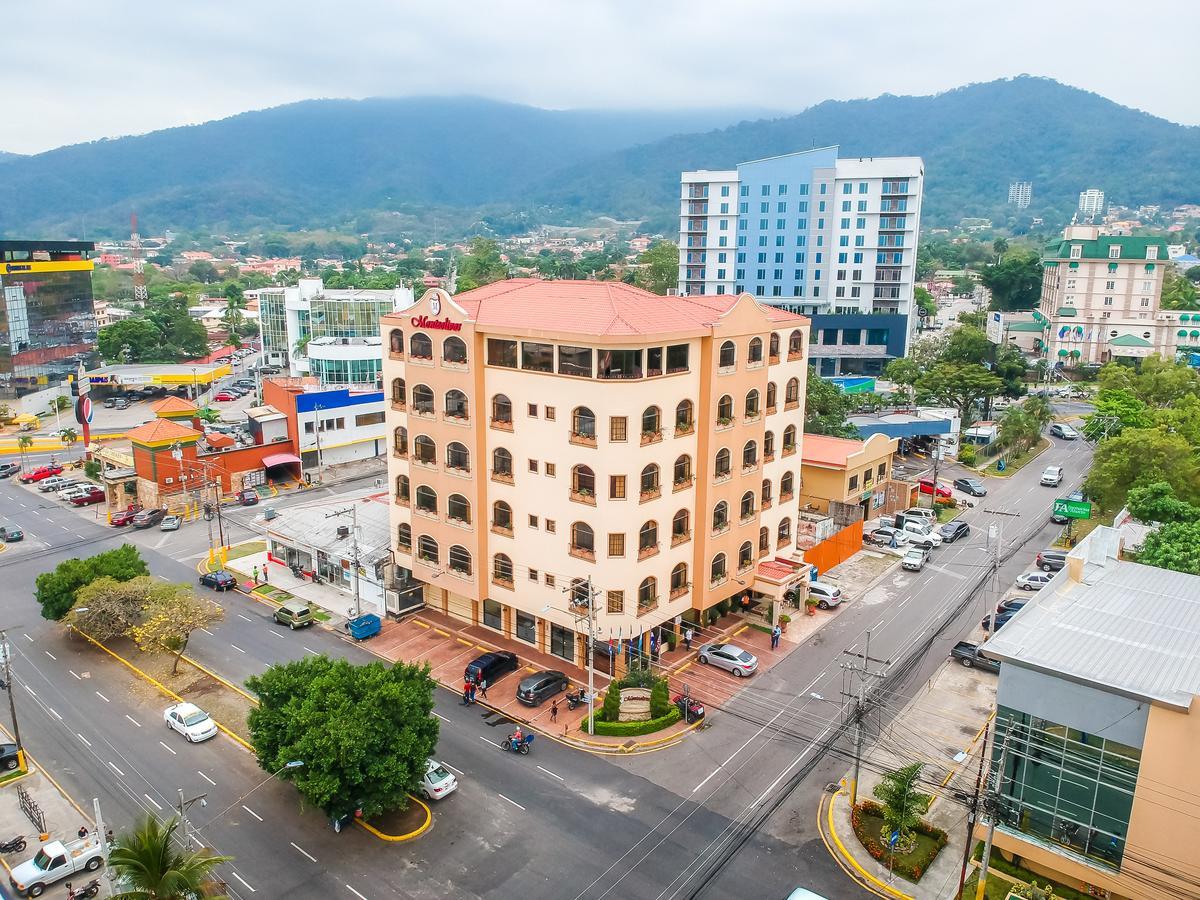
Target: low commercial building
{"type": "Point", "coordinates": [1096, 726]}
{"type": "Point", "coordinates": [329, 425]}
{"type": "Point", "coordinates": [848, 472]}
{"type": "Point", "coordinates": [191, 378]}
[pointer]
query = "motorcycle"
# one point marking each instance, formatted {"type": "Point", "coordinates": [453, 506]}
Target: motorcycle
{"type": "Point", "coordinates": [90, 890]}
{"type": "Point", "coordinates": [576, 698]}
{"type": "Point", "coordinates": [517, 746]}
{"type": "Point", "coordinates": [16, 845]}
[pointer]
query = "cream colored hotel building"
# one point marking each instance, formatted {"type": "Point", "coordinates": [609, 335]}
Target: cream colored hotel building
{"type": "Point", "coordinates": [545, 433]}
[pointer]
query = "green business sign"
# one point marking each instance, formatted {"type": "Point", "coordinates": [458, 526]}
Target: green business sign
{"type": "Point", "coordinates": [1073, 509]}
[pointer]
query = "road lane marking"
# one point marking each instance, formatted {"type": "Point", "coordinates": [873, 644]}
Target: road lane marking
{"type": "Point", "coordinates": [209, 633]}
{"type": "Point", "coordinates": [82, 738]}
{"type": "Point", "coordinates": [102, 697]}
{"type": "Point", "coordinates": [28, 638]}
{"type": "Point", "coordinates": [115, 769]}
{"type": "Point", "coordinates": [152, 800]}
{"type": "Point", "coordinates": [51, 655]}
{"type": "Point", "coordinates": [247, 618]}
{"type": "Point", "coordinates": [29, 689]}
{"type": "Point", "coordinates": [486, 740]}
{"type": "Point", "coordinates": [452, 769]}
{"type": "Point", "coordinates": [133, 720]}
{"type": "Point", "coordinates": [54, 713]}
{"type": "Point", "coordinates": [355, 893]}
{"type": "Point", "coordinates": [551, 774]}
{"type": "Point", "coordinates": [513, 802]}
{"type": "Point", "coordinates": [252, 812]}
{"type": "Point", "coordinates": [251, 889]}
{"type": "Point", "coordinates": [314, 653]}
{"type": "Point", "coordinates": [275, 634]}
{"type": "Point", "coordinates": [168, 749]}
{"type": "Point", "coordinates": [443, 718]}
{"type": "Point", "coordinates": [72, 671]}
{"type": "Point", "coordinates": [707, 777]}
{"type": "Point", "coordinates": [237, 648]}
{"type": "Point", "coordinates": [302, 850]}
{"type": "Point", "coordinates": [206, 778]}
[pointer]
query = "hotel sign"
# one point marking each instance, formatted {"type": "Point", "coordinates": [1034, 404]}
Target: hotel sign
{"type": "Point", "coordinates": [436, 324]}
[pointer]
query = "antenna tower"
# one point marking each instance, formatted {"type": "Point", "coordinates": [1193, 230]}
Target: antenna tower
{"type": "Point", "coordinates": [139, 266]}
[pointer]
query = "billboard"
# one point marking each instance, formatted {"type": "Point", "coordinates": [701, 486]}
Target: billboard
{"type": "Point", "coordinates": [995, 327]}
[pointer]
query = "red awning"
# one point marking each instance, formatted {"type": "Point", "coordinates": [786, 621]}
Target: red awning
{"type": "Point", "coordinates": [280, 459]}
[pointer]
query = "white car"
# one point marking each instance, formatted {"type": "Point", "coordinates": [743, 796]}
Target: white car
{"type": "Point", "coordinates": [827, 595]}
{"type": "Point", "coordinates": [191, 721]}
{"type": "Point", "coordinates": [1034, 581]}
{"type": "Point", "coordinates": [74, 490]}
{"type": "Point", "coordinates": [914, 559]}
{"type": "Point", "coordinates": [730, 657]}
{"type": "Point", "coordinates": [438, 781]}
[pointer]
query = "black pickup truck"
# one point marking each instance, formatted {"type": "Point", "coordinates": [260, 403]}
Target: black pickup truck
{"type": "Point", "coordinates": [968, 654]}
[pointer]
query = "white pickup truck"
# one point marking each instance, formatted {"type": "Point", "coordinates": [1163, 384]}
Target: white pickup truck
{"type": "Point", "coordinates": [53, 862]}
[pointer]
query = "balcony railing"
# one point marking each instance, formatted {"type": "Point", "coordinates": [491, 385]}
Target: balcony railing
{"type": "Point", "coordinates": [505, 530]}
{"type": "Point", "coordinates": [581, 439]}
{"type": "Point", "coordinates": [681, 430]}
{"type": "Point", "coordinates": [683, 484]}
{"type": "Point", "coordinates": [651, 437]}
{"type": "Point", "coordinates": [503, 477]}
{"type": "Point", "coordinates": [677, 592]}
{"type": "Point", "coordinates": [647, 496]}
{"type": "Point", "coordinates": [681, 538]}
{"type": "Point", "coordinates": [504, 581]}
{"type": "Point", "coordinates": [584, 496]}
{"type": "Point", "coordinates": [648, 606]}
{"type": "Point", "coordinates": [502, 424]}
{"type": "Point", "coordinates": [647, 551]}
{"type": "Point", "coordinates": [582, 553]}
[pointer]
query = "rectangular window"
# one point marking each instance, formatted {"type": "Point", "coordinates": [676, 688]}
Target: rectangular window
{"type": "Point", "coordinates": [860, 222]}
{"type": "Point", "coordinates": [780, 224]}
{"type": "Point", "coordinates": [533, 410]}
{"type": "Point", "coordinates": [551, 469]}
{"type": "Point", "coordinates": [619, 364]}
{"type": "Point", "coordinates": [745, 190]}
{"type": "Point", "coordinates": [724, 190]}
{"type": "Point", "coordinates": [764, 207]}
{"type": "Point", "coordinates": [549, 413]}
{"type": "Point", "coordinates": [842, 257]}
{"type": "Point", "coordinates": [549, 579]}
{"type": "Point", "coordinates": [724, 226]}
{"type": "Point", "coordinates": [862, 187]}
{"type": "Point", "coordinates": [1114, 252]}
{"type": "Point", "coordinates": [537, 357]}
{"type": "Point", "coordinates": [780, 207]}
{"type": "Point", "coordinates": [847, 187]}
{"type": "Point", "coordinates": [777, 274]}
{"type": "Point", "coordinates": [502, 353]}
{"type": "Point", "coordinates": [575, 361]}
{"type": "Point", "coordinates": [375, 418]}
{"type": "Point", "coordinates": [308, 428]}
{"type": "Point", "coordinates": [1108, 301]}
{"type": "Point", "coordinates": [562, 642]}
{"type": "Point", "coordinates": [862, 205]}
{"type": "Point", "coordinates": [877, 337]}
{"type": "Point", "coordinates": [882, 471]}
{"type": "Point", "coordinates": [616, 544]}
{"type": "Point", "coordinates": [766, 190]}
{"type": "Point", "coordinates": [722, 241]}
{"type": "Point", "coordinates": [779, 240]}
{"type": "Point", "coordinates": [616, 487]}
{"type": "Point", "coordinates": [654, 355]}
{"type": "Point", "coordinates": [533, 521]}
{"type": "Point", "coordinates": [829, 337]}
{"type": "Point", "coordinates": [762, 257]}
{"type": "Point", "coordinates": [618, 428]}
{"type": "Point", "coordinates": [846, 206]}
{"type": "Point", "coordinates": [778, 258]}
{"type": "Point", "coordinates": [677, 357]}
{"type": "Point", "coordinates": [852, 336]}
{"type": "Point", "coordinates": [492, 614]}
{"type": "Point", "coordinates": [533, 466]}
{"type": "Point", "coordinates": [860, 241]}
{"type": "Point", "coordinates": [854, 482]}
{"type": "Point", "coordinates": [533, 575]}
{"type": "Point", "coordinates": [804, 190]}
{"type": "Point", "coordinates": [527, 624]}
{"type": "Point", "coordinates": [616, 602]}
{"type": "Point", "coordinates": [724, 210]}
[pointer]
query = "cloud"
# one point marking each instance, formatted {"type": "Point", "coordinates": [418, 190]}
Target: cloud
{"type": "Point", "coordinates": [136, 66]}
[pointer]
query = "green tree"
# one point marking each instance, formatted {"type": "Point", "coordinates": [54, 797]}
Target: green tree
{"type": "Point", "coordinates": [966, 345]}
{"type": "Point", "coordinates": [1162, 382]}
{"type": "Point", "coordinates": [130, 340]}
{"type": "Point", "coordinates": [170, 618]}
{"type": "Point", "coordinates": [1015, 281]}
{"type": "Point", "coordinates": [107, 608]}
{"type": "Point", "coordinates": [964, 284]}
{"type": "Point", "coordinates": [1156, 503]}
{"type": "Point", "coordinates": [1039, 411]}
{"type": "Point", "coordinates": [56, 590]}
{"type": "Point", "coordinates": [925, 302]}
{"type": "Point", "coordinates": [658, 267]}
{"type": "Point", "coordinates": [1018, 430]}
{"type": "Point", "coordinates": [961, 385]}
{"type": "Point", "coordinates": [69, 436]}
{"type": "Point", "coordinates": [903, 805]}
{"type": "Point", "coordinates": [1179, 292]}
{"type": "Point", "coordinates": [1174, 546]}
{"type": "Point", "coordinates": [1139, 456]}
{"type": "Point", "coordinates": [1010, 366]}
{"type": "Point", "coordinates": [203, 271]}
{"type": "Point", "coordinates": [148, 860]}
{"type": "Point", "coordinates": [972, 319]}
{"type": "Point", "coordinates": [1193, 274]}
{"type": "Point", "coordinates": [364, 732]}
{"type": "Point", "coordinates": [826, 407]}
{"type": "Point", "coordinates": [1000, 245]}
{"type": "Point", "coordinates": [59, 403]}
{"type": "Point", "coordinates": [1181, 417]}
{"type": "Point", "coordinates": [1120, 404]}
{"type": "Point", "coordinates": [24, 442]}
{"type": "Point", "coordinates": [903, 372]}
{"type": "Point", "coordinates": [482, 265]}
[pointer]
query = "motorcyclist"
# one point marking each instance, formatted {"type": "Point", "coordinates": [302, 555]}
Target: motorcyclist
{"type": "Point", "coordinates": [516, 737]}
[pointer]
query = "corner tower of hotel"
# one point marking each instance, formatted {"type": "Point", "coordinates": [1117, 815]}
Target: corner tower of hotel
{"type": "Point", "coordinates": [554, 437]}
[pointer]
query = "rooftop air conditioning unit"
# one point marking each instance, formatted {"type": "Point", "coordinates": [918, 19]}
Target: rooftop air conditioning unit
{"type": "Point", "coordinates": [672, 292]}
{"type": "Point", "coordinates": [343, 531]}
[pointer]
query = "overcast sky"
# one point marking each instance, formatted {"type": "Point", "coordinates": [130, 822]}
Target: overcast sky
{"type": "Point", "coordinates": [80, 71]}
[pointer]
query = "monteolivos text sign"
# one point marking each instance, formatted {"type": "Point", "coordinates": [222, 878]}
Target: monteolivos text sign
{"type": "Point", "coordinates": [635, 704]}
{"type": "Point", "coordinates": [436, 324]}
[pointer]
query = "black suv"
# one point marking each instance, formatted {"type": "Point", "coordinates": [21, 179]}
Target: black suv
{"type": "Point", "coordinates": [1051, 560]}
{"type": "Point", "coordinates": [536, 688]}
{"type": "Point", "coordinates": [491, 667]}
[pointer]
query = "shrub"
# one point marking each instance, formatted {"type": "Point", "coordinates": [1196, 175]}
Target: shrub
{"type": "Point", "coordinates": [91, 469]}
{"type": "Point", "coordinates": [672, 640]}
{"type": "Point", "coordinates": [713, 615]}
{"type": "Point", "coordinates": [967, 455]}
{"type": "Point", "coordinates": [611, 709]}
{"type": "Point", "coordinates": [632, 729]}
{"type": "Point", "coordinates": [660, 699]}
{"type": "Point", "coordinates": [723, 608]}
{"type": "Point", "coordinates": [911, 865]}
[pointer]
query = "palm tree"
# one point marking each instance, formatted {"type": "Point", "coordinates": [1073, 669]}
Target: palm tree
{"type": "Point", "coordinates": [150, 867]}
{"type": "Point", "coordinates": [903, 804]}
{"type": "Point", "coordinates": [24, 442]}
{"type": "Point", "coordinates": [68, 436]}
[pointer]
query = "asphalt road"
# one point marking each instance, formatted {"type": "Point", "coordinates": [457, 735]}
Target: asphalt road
{"type": "Point", "coordinates": [558, 823]}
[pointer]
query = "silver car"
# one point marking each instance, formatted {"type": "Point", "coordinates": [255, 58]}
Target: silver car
{"type": "Point", "coordinates": [730, 657]}
{"type": "Point", "coordinates": [1033, 581]}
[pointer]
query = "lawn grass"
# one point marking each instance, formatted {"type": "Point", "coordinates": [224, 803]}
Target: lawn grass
{"type": "Point", "coordinates": [868, 827]}
{"type": "Point", "coordinates": [995, 889]}
{"type": "Point", "coordinates": [10, 775]}
{"type": "Point", "coordinates": [1014, 464]}
{"type": "Point", "coordinates": [246, 549]}
{"type": "Point", "coordinates": [946, 513]}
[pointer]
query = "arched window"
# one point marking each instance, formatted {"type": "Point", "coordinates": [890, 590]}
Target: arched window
{"type": "Point", "coordinates": [404, 537]}
{"type": "Point", "coordinates": [579, 595]}
{"type": "Point", "coordinates": [502, 515]}
{"type": "Point", "coordinates": [792, 393]}
{"type": "Point", "coordinates": [751, 403]}
{"type": "Point", "coordinates": [764, 540]}
{"type": "Point", "coordinates": [789, 438]}
{"type": "Point", "coordinates": [774, 345]}
{"type": "Point", "coordinates": [681, 525]}
{"type": "Point", "coordinates": [648, 592]}
{"type": "Point", "coordinates": [649, 481]}
{"type": "Point", "coordinates": [785, 486]}
{"type": "Point", "coordinates": [402, 488]}
{"type": "Point", "coordinates": [458, 507]}
{"type": "Point", "coordinates": [422, 398]}
{"type": "Point", "coordinates": [745, 556]}
{"type": "Point", "coordinates": [427, 499]}
{"type": "Point", "coordinates": [420, 346]}
{"type": "Point", "coordinates": [772, 394]}
{"type": "Point", "coordinates": [785, 533]}
{"type": "Point", "coordinates": [648, 537]}
{"type": "Point", "coordinates": [400, 441]}
{"type": "Point", "coordinates": [501, 409]}
{"type": "Point", "coordinates": [454, 350]}
{"type": "Point", "coordinates": [722, 465]}
{"type": "Point", "coordinates": [396, 342]}
{"type": "Point", "coordinates": [459, 560]}
{"type": "Point", "coordinates": [502, 569]}
{"type": "Point", "coordinates": [750, 455]}
{"type": "Point", "coordinates": [754, 353]}
{"type": "Point", "coordinates": [502, 462]}
{"type": "Point", "coordinates": [456, 404]}
{"type": "Point", "coordinates": [399, 394]}
{"type": "Point", "coordinates": [583, 480]}
{"type": "Point", "coordinates": [769, 445]}
{"type": "Point", "coordinates": [424, 450]}
{"type": "Point", "coordinates": [679, 581]}
{"type": "Point", "coordinates": [720, 517]}
{"type": "Point", "coordinates": [725, 410]}
{"type": "Point", "coordinates": [728, 355]}
{"type": "Point", "coordinates": [717, 571]}
{"type": "Point", "coordinates": [766, 492]}
{"type": "Point", "coordinates": [747, 506]}
{"type": "Point", "coordinates": [683, 470]}
{"type": "Point", "coordinates": [683, 416]}
{"type": "Point", "coordinates": [427, 549]}
{"type": "Point", "coordinates": [583, 423]}
{"type": "Point", "coordinates": [583, 538]}
{"type": "Point", "coordinates": [458, 457]}
{"type": "Point", "coordinates": [651, 422]}
{"type": "Point", "coordinates": [795, 342]}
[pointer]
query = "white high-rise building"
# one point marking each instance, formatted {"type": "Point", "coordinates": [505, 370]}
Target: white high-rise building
{"type": "Point", "coordinates": [1020, 194]}
{"type": "Point", "coordinates": [1091, 204]}
{"type": "Point", "coordinates": [835, 239]}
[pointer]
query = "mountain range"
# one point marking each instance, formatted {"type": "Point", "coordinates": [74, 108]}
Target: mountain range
{"type": "Point", "coordinates": [327, 163]}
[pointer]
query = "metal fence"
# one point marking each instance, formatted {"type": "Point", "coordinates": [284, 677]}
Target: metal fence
{"type": "Point", "coordinates": [32, 811]}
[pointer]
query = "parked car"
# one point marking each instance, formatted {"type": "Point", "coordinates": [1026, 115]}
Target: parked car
{"type": "Point", "coordinates": [828, 595]}
{"type": "Point", "coordinates": [191, 721]}
{"type": "Point", "coordinates": [8, 470]}
{"type": "Point", "coordinates": [1033, 581]}
{"type": "Point", "coordinates": [10, 534]}
{"type": "Point", "coordinates": [41, 473]}
{"type": "Point", "coordinates": [1064, 431]}
{"type": "Point", "coordinates": [1051, 560]}
{"type": "Point", "coordinates": [914, 559]}
{"type": "Point", "coordinates": [120, 403]}
{"type": "Point", "coordinates": [730, 657]}
{"type": "Point", "coordinates": [972, 486]}
{"type": "Point", "coordinates": [943, 490]}
{"type": "Point", "coordinates": [884, 535]}
{"type": "Point", "coordinates": [247, 497]}
{"type": "Point", "coordinates": [53, 483]}
{"type": "Point", "coordinates": [1052, 476]}
{"type": "Point", "coordinates": [294, 614]}
{"type": "Point", "coordinates": [922, 534]}
{"type": "Point", "coordinates": [535, 688]}
{"type": "Point", "coordinates": [66, 491]}
{"type": "Point", "coordinates": [968, 654]}
{"type": "Point", "coordinates": [438, 781]}
{"type": "Point", "coordinates": [952, 531]}
{"type": "Point", "coordinates": [88, 497]}
{"type": "Point", "coordinates": [55, 861]}
{"type": "Point", "coordinates": [1011, 604]}
{"type": "Point", "coordinates": [170, 523]}
{"type": "Point", "coordinates": [996, 621]}
{"type": "Point", "coordinates": [218, 581]}
{"type": "Point", "coordinates": [224, 397]}
{"type": "Point", "coordinates": [247, 383]}
{"type": "Point", "coordinates": [691, 708]}
{"type": "Point", "coordinates": [148, 517]}
{"type": "Point", "coordinates": [916, 514]}
{"type": "Point", "coordinates": [491, 666]}
{"type": "Point", "coordinates": [8, 757]}
{"type": "Point", "coordinates": [124, 517]}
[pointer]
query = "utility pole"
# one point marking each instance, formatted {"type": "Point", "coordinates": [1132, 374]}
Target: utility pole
{"type": "Point", "coordinates": [991, 805]}
{"type": "Point", "coordinates": [860, 666]}
{"type": "Point", "coordinates": [573, 605]}
{"type": "Point", "coordinates": [6, 651]}
{"type": "Point", "coordinates": [102, 837]}
{"type": "Point", "coordinates": [937, 460]}
{"type": "Point", "coordinates": [317, 431]}
{"type": "Point", "coordinates": [184, 806]}
{"type": "Point", "coordinates": [353, 511]}
{"type": "Point", "coordinates": [973, 812]}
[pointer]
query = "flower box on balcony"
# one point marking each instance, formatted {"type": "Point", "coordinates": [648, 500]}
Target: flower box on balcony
{"type": "Point", "coordinates": [647, 552]}
{"type": "Point", "coordinates": [581, 553]}
{"type": "Point", "coordinates": [583, 440]}
{"type": "Point", "coordinates": [651, 437]}
{"type": "Point", "coordinates": [584, 497]}
{"type": "Point", "coordinates": [682, 538]}
{"type": "Point", "coordinates": [683, 484]}
{"type": "Point", "coordinates": [646, 496]}
{"type": "Point", "coordinates": [502, 424]}
{"type": "Point", "coordinates": [684, 430]}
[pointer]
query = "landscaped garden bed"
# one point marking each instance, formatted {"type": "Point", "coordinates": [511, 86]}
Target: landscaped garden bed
{"type": "Point", "coordinates": [927, 841]}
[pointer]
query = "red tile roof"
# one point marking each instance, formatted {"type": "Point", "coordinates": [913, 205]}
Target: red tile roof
{"type": "Point", "coordinates": [168, 405]}
{"type": "Point", "coordinates": [160, 430]}
{"type": "Point", "coordinates": [597, 308]}
{"type": "Point", "coordinates": [775, 570]}
{"type": "Point", "coordinates": [819, 450]}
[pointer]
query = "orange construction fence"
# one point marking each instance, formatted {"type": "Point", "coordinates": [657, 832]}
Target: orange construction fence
{"type": "Point", "coordinates": [836, 549]}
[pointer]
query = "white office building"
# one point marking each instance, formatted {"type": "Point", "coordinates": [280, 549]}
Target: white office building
{"type": "Point", "coordinates": [1020, 194]}
{"type": "Point", "coordinates": [332, 334]}
{"type": "Point", "coordinates": [1091, 204]}
{"type": "Point", "coordinates": [827, 237]}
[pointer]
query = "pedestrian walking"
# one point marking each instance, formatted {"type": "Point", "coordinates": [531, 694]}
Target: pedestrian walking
{"type": "Point", "coordinates": [466, 692]}
{"type": "Point", "coordinates": [483, 688]}
{"type": "Point", "coordinates": [266, 580]}
{"type": "Point", "coordinates": [256, 574]}
{"type": "Point", "coordinates": [687, 637]}
{"type": "Point", "coordinates": [472, 692]}
{"type": "Point", "coordinates": [83, 832]}
{"type": "Point", "coordinates": [554, 711]}
{"type": "Point", "coordinates": [775, 632]}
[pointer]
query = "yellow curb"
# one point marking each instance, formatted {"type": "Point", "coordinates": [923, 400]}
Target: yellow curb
{"type": "Point", "coordinates": [890, 891]}
{"type": "Point", "coordinates": [166, 690]}
{"type": "Point", "coordinates": [833, 855]}
{"type": "Point", "coordinates": [739, 631]}
{"type": "Point", "coordinates": [422, 624]}
{"type": "Point", "coordinates": [461, 641]}
{"type": "Point", "coordinates": [49, 778]}
{"type": "Point", "coordinates": [397, 838]}
{"type": "Point", "coordinates": [685, 666]}
{"type": "Point", "coordinates": [444, 633]}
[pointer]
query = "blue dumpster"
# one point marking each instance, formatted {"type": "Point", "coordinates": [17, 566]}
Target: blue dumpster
{"type": "Point", "coordinates": [364, 626]}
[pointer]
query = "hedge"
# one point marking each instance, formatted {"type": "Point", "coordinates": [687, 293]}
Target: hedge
{"type": "Point", "coordinates": [1000, 864]}
{"type": "Point", "coordinates": [912, 865]}
{"type": "Point", "coordinates": [632, 729]}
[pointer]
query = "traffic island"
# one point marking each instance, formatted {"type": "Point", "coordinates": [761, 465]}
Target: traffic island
{"type": "Point", "coordinates": [909, 861]}
{"type": "Point", "coordinates": [400, 824]}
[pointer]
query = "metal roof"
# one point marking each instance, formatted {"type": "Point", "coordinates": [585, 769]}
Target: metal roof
{"type": "Point", "coordinates": [1126, 627]}
{"type": "Point", "coordinates": [315, 526]}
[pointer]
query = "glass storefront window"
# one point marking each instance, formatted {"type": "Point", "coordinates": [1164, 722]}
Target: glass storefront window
{"type": "Point", "coordinates": [491, 614]}
{"type": "Point", "coordinates": [502, 353]}
{"type": "Point", "coordinates": [562, 642]}
{"type": "Point", "coordinates": [526, 627]}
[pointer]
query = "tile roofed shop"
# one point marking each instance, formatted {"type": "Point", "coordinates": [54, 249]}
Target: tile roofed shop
{"type": "Point", "coordinates": [551, 435]}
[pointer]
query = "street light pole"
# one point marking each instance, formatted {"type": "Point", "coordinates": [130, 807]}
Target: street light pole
{"type": "Point", "coordinates": [294, 764]}
{"type": "Point", "coordinates": [184, 806]}
{"type": "Point", "coordinates": [6, 650]}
